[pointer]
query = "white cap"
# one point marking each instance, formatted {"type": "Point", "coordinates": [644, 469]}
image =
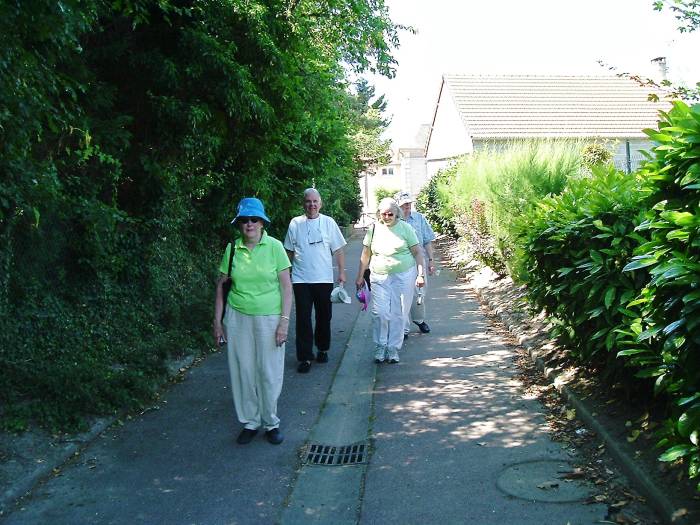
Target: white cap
{"type": "Point", "coordinates": [403, 197]}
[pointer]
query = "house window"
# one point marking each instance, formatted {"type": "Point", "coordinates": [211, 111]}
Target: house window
{"type": "Point", "coordinates": [387, 171]}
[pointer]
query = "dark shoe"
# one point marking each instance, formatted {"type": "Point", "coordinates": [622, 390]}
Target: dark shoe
{"type": "Point", "coordinates": [405, 336]}
{"type": "Point", "coordinates": [246, 436]}
{"type": "Point", "coordinates": [304, 367]}
{"type": "Point", "coordinates": [274, 436]}
{"type": "Point", "coordinates": [423, 327]}
{"type": "Point", "coordinates": [322, 357]}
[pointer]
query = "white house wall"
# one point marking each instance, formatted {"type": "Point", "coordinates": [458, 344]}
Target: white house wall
{"type": "Point", "coordinates": [434, 166]}
{"type": "Point", "coordinates": [449, 137]}
{"type": "Point", "coordinates": [414, 173]}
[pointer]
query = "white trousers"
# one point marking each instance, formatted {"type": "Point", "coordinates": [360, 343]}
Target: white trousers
{"type": "Point", "coordinates": [416, 312]}
{"type": "Point", "coordinates": [389, 293]}
{"type": "Point", "coordinates": [256, 366]}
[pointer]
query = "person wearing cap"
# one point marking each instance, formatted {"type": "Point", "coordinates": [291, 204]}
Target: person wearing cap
{"type": "Point", "coordinates": [395, 259]}
{"type": "Point", "coordinates": [256, 321]}
{"type": "Point", "coordinates": [312, 240]}
{"type": "Point", "coordinates": [426, 236]}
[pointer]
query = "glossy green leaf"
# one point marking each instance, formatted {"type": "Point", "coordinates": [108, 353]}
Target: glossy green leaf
{"type": "Point", "coordinates": [686, 400]}
{"type": "Point", "coordinates": [638, 263]}
{"type": "Point", "coordinates": [633, 351]}
{"type": "Point", "coordinates": [609, 296]}
{"type": "Point", "coordinates": [648, 334]}
{"type": "Point", "coordinates": [680, 218]}
{"type": "Point", "coordinates": [676, 452]}
{"type": "Point", "coordinates": [692, 296]}
{"type": "Point", "coordinates": [671, 327]}
{"type": "Point", "coordinates": [682, 235]}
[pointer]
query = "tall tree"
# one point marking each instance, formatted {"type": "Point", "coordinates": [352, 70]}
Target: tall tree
{"type": "Point", "coordinates": [369, 125]}
{"type": "Point", "coordinates": [128, 130]}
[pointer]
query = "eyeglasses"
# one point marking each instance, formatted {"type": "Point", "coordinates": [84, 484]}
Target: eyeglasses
{"type": "Point", "coordinates": [387, 213]}
{"type": "Point", "coordinates": [246, 220]}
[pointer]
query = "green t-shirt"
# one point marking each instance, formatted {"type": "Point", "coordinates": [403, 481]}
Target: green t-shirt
{"type": "Point", "coordinates": [256, 288]}
{"type": "Point", "coordinates": [391, 247]}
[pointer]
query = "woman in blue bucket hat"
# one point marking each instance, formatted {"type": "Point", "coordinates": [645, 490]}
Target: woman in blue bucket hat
{"type": "Point", "coordinates": [256, 319]}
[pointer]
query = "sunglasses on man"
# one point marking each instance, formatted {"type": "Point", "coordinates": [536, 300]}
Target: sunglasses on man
{"type": "Point", "coordinates": [246, 220]}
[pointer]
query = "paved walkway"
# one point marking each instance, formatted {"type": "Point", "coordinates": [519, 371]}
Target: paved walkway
{"type": "Point", "coordinates": [449, 437]}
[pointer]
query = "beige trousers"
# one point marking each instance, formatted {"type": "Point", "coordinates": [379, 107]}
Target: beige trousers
{"type": "Point", "coordinates": [256, 367]}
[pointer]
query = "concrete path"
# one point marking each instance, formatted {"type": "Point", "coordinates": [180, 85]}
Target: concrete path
{"type": "Point", "coordinates": [456, 440]}
{"type": "Point", "coordinates": [179, 463]}
{"type": "Point", "coordinates": [450, 438]}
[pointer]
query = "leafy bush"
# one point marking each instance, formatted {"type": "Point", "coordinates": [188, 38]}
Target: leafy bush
{"type": "Point", "coordinates": [525, 173]}
{"type": "Point", "coordinates": [594, 154]}
{"type": "Point", "coordinates": [507, 181]}
{"type": "Point", "coordinates": [575, 247]}
{"type": "Point", "coordinates": [615, 260]}
{"type": "Point", "coordinates": [474, 228]}
{"type": "Point", "coordinates": [667, 344]}
{"type": "Point", "coordinates": [382, 193]}
{"type": "Point", "coordinates": [432, 199]}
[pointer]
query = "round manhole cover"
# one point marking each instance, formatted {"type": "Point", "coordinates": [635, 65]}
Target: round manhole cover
{"type": "Point", "coordinates": [543, 480]}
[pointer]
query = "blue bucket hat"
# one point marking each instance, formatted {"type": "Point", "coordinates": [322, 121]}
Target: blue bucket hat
{"type": "Point", "coordinates": [251, 207]}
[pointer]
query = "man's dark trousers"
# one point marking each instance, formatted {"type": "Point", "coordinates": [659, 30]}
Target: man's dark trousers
{"type": "Point", "coordinates": [318, 297]}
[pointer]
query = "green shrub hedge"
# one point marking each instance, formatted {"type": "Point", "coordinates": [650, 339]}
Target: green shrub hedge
{"type": "Point", "coordinates": [482, 195]}
{"type": "Point", "coordinates": [575, 246]}
{"type": "Point", "coordinates": [669, 305]}
{"type": "Point", "coordinates": [615, 262]}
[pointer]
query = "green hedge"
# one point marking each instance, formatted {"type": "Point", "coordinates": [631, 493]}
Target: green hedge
{"type": "Point", "coordinates": [615, 261]}
{"type": "Point", "coordinates": [482, 195]}
{"type": "Point", "coordinates": [575, 247]}
{"type": "Point", "coordinates": [669, 305]}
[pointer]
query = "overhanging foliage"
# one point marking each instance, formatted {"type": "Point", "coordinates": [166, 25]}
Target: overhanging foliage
{"type": "Point", "coordinates": [128, 131]}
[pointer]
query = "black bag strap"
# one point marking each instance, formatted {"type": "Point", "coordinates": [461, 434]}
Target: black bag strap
{"type": "Point", "coordinates": [367, 272]}
{"type": "Point", "coordinates": [230, 257]}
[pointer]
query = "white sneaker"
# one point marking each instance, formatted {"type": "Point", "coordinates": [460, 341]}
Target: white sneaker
{"type": "Point", "coordinates": [379, 353]}
{"type": "Point", "coordinates": [392, 354]}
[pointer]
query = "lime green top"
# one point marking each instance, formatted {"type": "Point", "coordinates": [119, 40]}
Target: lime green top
{"type": "Point", "coordinates": [256, 287]}
{"type": "Point", "coordinates": [391, 247]}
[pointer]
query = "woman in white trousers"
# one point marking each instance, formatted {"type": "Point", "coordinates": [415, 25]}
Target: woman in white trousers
{"type": "Point", "coordinates": [396, 264]}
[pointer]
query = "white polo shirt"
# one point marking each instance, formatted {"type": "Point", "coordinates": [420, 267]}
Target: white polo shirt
{"type": "Point", "coordinates": [313, 242]}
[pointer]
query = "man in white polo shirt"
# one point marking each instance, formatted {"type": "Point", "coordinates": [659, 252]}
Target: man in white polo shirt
{"type": "Point", "coordinates": [312, 241]}
{"type": "Point", "coordinates": [426, 236]}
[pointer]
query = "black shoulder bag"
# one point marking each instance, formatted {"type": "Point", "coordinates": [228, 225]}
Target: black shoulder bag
{"type": "Point", "coordinates": [226, 285]}
{"type": "Point", "coordinates": [366, 274]}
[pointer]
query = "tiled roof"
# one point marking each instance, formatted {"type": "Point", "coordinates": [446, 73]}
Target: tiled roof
{"type": "Point", "coordinates": [524, 106]}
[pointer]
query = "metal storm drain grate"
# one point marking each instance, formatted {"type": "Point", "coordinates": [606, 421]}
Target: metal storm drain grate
{"type": "Point", "coordinates": [336, 455]}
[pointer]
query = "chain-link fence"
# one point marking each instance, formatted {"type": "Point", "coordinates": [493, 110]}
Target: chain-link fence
{"type": "Point", "coordinates": [630, 163]}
